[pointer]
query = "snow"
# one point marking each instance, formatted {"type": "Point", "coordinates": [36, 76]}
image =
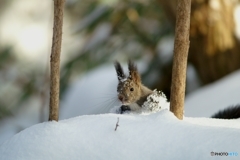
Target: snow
{"type": "Point", "coordinates": [155, 136]}
{"type": "Point", "coordinates": [156, 102]}
{"type": "Point", "coordinates": [209, 99]}
{"type": "Point", "coordinates": [165, 49]}
{"type": "Point", "coordinates": [91, 133]}
{"type": "Point", "coordinates": [96, 93]}
{"type": "Point", "coordinates": [92, 94]}
{"type": "Point", "coordinates": [94, 90]}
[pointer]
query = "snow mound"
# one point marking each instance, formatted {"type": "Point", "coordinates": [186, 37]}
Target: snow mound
{"type": "Point", "coordinates": [154, 136]}
{"type": "Point", "coordinates": [211, 98]}
{"type": "Point", "coordinates": [156, 102]}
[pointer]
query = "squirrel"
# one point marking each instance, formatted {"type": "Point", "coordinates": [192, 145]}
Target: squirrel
{"type": "Point", "coordinates": [132, 93]}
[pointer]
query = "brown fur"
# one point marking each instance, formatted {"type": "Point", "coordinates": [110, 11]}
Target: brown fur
{"type": "Point", "coordinates": [130, 89]}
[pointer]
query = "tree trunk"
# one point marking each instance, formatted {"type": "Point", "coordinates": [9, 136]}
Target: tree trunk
{"type": "Point", "coordinates": [214, 50]}
{"type": "Point", "coordinates": [181, 46]}
{"type": "Point", "coordinates": [55, 60]}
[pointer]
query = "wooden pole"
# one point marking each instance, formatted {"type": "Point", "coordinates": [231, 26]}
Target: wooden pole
{"type": "Point", "coordinates": [55, 60]}
{"type": "Point", "coordinates": [181, 46]}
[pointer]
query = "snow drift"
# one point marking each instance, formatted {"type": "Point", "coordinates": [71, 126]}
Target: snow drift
{"type": "Point", "coordinates": [156, 136]}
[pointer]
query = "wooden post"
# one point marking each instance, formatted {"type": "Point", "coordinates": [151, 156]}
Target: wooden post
{"type": "Point", "coordinates": [55, 60]}
{"type": "Point", "coordinates": [181, 46]}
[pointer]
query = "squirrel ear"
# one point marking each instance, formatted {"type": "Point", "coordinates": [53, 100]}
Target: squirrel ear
{"type": "Point", "coordinates": [119, 71]}
{"type": "Point", "coordinates": [133, 73]}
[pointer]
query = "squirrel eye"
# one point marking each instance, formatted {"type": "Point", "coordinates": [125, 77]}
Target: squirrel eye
{"type": "Point", "coordinates": [131, 89]}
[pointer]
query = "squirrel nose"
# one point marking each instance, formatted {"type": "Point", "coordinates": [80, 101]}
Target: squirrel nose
{"type": "Point", "coordinates": [120, 98]}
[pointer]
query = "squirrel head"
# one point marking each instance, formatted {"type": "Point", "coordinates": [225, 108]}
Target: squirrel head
{"type": "Point", "coordinates": [129, 88]}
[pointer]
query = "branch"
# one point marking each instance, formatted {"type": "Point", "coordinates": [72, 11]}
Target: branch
{"type": "Point", "coordinates": [181, 46]}
{"type": "Point", "coordinates": [117, 124]}
{"type": "Point", "coordinates": [55, 59]}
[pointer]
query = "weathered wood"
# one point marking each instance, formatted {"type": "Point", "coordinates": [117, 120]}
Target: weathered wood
{"type": "Point", "coordinates": [55, 60]}
{"type": "Point", "coordinates": [181, 46]}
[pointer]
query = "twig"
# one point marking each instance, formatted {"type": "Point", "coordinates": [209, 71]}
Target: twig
{"type": "Point", "coordinates": [117, 124]}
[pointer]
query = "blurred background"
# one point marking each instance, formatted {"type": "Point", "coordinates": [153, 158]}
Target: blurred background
{"type": "Point", "coordinates": [98, 32]}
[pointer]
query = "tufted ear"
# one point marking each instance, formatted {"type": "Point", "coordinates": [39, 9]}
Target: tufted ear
{"type": "Point", "coordinates": [119, 71]}
{"type": "Point", "coordinates": [133, 73]}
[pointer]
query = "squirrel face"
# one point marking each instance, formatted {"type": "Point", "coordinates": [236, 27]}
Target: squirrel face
{"type": "Point", "coordinates": [129, 88]}
{"type": "Point", "coordinates": [128, 91]}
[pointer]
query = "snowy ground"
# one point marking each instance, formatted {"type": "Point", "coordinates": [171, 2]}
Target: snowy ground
{"type": "Point", "coordinates": [95, 94]}
{"type": "Point", "coordinates": [88, 136]}
{"type": "Point", "coordinates": [154, 136]}
{"type": "Point", "coordinates": [209, 99]}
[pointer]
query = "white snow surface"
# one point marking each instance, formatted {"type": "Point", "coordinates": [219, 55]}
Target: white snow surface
{"type": "Point", "coordinates": [139, 136]}
{"type": "Point", "coordinates": [155, 102]}
{"type": "Point", "coordinates": [156, 136]}
{"type": "Point", "coordinates": [95, 93]}
{"type": "Point", "coordinates": [209, 99]}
